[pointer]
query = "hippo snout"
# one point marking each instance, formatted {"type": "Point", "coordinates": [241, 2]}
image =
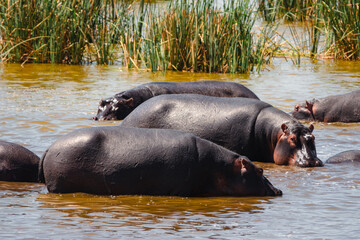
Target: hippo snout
{"type": "Point", "coordinates": [270, 189]}
{"type": "Point", "coordinates": [310, 163]}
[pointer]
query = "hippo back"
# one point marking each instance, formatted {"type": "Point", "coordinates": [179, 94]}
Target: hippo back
{"type": "Point", "coordinates": [118, 160]}
{"type": "Point", "coordinates": [229, 122]}
{"type": "Point", "coordinates": [338, 108]}
{"type": "Point", "coordinates": [208, 88]}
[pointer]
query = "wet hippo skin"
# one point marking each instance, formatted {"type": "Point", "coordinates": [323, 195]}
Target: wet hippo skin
{"type": "Point", "coordinates": [345, 157]}
{"type": "Point", "coordinates": [120, 105]}
{"type": "Point", "coordinates": [247, 126]}
{"type": "Point", "coordinates": [118, 160]}
{"type": "Point", "coordinates": [338, 108]}
{"type": "Point", "coordinates": [17, 163]}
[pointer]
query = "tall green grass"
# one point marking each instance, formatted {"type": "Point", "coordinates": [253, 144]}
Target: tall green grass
{"type": "Point", "coordinates": [51, 31]}
{"type": "Point", "coordinates": [200, 36]}
{"type": "Point", "coordinates": [181, 35]}
{"type": "Point", "coordinates": [342, 18]}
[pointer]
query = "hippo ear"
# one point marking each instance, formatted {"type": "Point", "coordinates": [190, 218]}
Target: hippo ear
{"type": "Point", "coordinates": [311, 128]}
{"type": "Point", "coordinates": [245, 165]}
{"type": "Point", "coordinates": [297, 108]}
{"type": "Point", "coordinates": [309, 105]}
{"type": "Point", "coordinates": [241, 165]}
{"type": "Point", "coordinates": [129, 102]}
{"type": "Point", "coordinates": [284, 128]}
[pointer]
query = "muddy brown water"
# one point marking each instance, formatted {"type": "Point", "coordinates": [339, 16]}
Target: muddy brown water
{"type": "Point", "coordinates": [39, 103]}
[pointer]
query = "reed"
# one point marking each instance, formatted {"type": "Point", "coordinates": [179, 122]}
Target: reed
{"type": "Point", "coordinates": [199, 36]}
{"type": "Point", "coordinates": [342, 18]}
{"type": "Point", "coordinates": [186, 35]}
{"type": "Point", "coordinates": [50, 31]}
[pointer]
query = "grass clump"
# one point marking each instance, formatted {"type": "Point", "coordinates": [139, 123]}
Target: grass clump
{"type": "Point", "coordinates": [51, 31]}
{"type": "Point", "coordinates": [342, 18]}
{"type": "Point", "coordinates": [200, 36]}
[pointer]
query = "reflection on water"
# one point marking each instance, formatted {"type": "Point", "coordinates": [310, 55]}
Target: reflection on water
{"type": "Point", "coordinates": [39, 103]}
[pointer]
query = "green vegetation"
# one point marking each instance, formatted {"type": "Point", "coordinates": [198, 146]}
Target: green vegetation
{"type": "Point", "coordinates": [182, 35]}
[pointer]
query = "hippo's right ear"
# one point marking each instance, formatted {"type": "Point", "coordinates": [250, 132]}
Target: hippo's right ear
{"type": "Point", "coordinates": [129, 102]}
{"type": "Point", "coordinates": [284, 128]}
{"type": "Point", "coordinates": [309, 105]}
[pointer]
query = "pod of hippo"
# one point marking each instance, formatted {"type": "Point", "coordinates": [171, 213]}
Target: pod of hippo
{"type": "Point", "coordinates": [120, 105]}
{"type": "Point", "coordinates": [247, 126]}
{"type": "Point", "coordinates": [347, 156]}
{"type": "Point", "coordinates": [119, 160]}
{"type": "Point", "coordinates": [338, 108]}
{"type": "Point", "coordinates": [17, 163]}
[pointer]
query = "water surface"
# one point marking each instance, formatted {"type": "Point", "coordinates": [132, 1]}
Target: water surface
{"type": "Point", "coordinates": [39, 103]}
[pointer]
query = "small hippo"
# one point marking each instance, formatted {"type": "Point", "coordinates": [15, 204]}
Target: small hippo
{"type": "Point", "coordinates": [17, 164]}
{"type": "Point", "coordinates": [347, 156]}
{"type": "Point", "coordinates": [119, 106]}
{"type": "Point", "coordinates": [246, 126]}
{"type": "Point", "coordinates": [117, 160]}
{"type": "Point", "coordinates": [338, 108]}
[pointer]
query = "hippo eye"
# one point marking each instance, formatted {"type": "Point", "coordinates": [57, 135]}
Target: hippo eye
{"type": "Point", "coordinates": [293, 139]}
{"type": "Point", "coordinates": [259, 171]}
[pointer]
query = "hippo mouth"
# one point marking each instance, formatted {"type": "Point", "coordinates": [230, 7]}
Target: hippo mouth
{"type": "Point", "coordinates": [316, 162]}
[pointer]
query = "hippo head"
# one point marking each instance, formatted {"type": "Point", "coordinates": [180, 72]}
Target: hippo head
{"type": "Point", "coordinates": [114, 108]}
{"type": "Point", "coordinates": [304, 111]}
{"type": "Point", "coordinates": [295, 146]}
{"type": "Point", "coordinates": [246, 179]}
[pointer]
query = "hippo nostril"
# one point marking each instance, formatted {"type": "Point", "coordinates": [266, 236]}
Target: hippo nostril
{"type": "Point", "coordinates": [278, 192]}
{"type": "Point", "coordinates": [95, 118]}
{"type": "Point", "coordinates": [319, 163]}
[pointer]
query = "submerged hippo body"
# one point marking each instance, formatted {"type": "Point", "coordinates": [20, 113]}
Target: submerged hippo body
{"type": "Point", "coordinates": [338, 108]}
{"type": "Point", "coordinates": [117, 160]}
{"type": "Point", "coordinates": [249, 127]}
{"type": "Point", "coordinates": [119, 106]}
{"type": "Point", "coordinates": [17, 164]}
{"type": "Point", "coordinates": [347, 156]}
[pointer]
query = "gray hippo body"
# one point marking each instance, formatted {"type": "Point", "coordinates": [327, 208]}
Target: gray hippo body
{"type": "Point", "coordinates": [120, 105]}
{"type": "Point", "coordinates": [247, 126]}
{"type": "Point", "coordinates": [338, 108]}
{"type": "Point", "coordinates": [17, 164]}
{"type": "Point", "coordinates": [346, 156]}
{"type": "Point", "coordinates": [118, 160]}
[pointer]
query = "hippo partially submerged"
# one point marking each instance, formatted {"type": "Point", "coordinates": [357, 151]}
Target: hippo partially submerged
{"type": "Point", "coordinates": [120, 105]}
{"type": "Point", "coordinates": [247, 126]}
{"type": "Point", "coordinates": [118, 160]}
{"type": "Point", "coordinates": [346, 156]}
{"type": "Point", "coordinates": [17, 164]}
{"type": "Point", "coordinates": [338, 108]}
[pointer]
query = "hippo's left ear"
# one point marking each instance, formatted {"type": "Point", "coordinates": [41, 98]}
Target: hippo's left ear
{"type": "Point", "coordinates": [241, 165]}
{"type": "Point", "coordinates": [284, 128]}
{"type": "Point", "coordinates": [311, 128]}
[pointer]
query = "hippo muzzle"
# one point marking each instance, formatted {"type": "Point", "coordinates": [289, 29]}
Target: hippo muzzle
{"type": "Point", "coordinates": [270, 190]}
{"type": "Point", "coordinates": [306, 156]}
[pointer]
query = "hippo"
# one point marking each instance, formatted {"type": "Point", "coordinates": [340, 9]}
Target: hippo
{"type": "Point", "coordinates": [246, 126]}
{"type": "Point", "coordinates": [17, 164]}
{"type": "Point", "coordinates": [120, 105]}
{"type": "Point", "coordinates": [116, 160]}
{"type": "Point", "coordinates": [347, 156]}
{"type": "Point", "coordinates": [338, 108]}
